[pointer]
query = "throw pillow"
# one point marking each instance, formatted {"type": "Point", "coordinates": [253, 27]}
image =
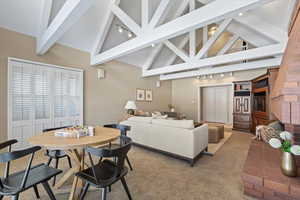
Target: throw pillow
{"type": "Point", "coordinates": [265, 133]}
{"type": "Point", "coordinates": [277, 126]}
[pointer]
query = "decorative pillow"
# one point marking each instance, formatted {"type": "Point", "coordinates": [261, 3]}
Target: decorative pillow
{"type": "Point", "coordinates": [277, 126]}
{"type": "Point", "coordinates": [159, 116]}
{"type": "Point", "coordinates": [265, 133]}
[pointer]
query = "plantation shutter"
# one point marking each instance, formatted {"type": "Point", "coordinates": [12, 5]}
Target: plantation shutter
{"type": "Point", "coordinates": [42, 97]}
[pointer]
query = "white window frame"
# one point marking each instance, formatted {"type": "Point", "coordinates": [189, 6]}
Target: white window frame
{"type": "Point", "coordinates": [9, 103]}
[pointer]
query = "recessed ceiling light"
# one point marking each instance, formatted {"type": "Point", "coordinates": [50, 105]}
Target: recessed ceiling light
{"type": "Point", "coordinates": [130, 35]}
{"type": "Point", "coordinates": [120, 29]}
{"type": "Point", "coordinates": [153, 45]}
{"type": "Point", "coordinates": [211, 76]}
{"type": "Point", "coordinates": [240, 14]}
{"type": "Point", "coordinates": [222, 75]}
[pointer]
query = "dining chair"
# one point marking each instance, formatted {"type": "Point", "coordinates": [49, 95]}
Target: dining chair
{"type": "Point", "coordinates": [106, 173]}
{"type": "Point", "coordinates": [15, 183]}
{"type": "Point", "coordinates": [56, 154]}
{"type": "Point", "coordinates": [123, 129]}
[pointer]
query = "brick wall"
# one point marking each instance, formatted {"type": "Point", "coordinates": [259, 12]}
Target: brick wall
{"type": "Point", "coordinates": [262, 177]}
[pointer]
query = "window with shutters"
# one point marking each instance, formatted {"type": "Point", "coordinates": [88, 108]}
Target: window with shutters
{"type": "Point", "coordinates": [42, 96]}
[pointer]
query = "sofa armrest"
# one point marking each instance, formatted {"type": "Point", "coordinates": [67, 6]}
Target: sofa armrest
{"type": "Point", "coordinates": [200, 139]}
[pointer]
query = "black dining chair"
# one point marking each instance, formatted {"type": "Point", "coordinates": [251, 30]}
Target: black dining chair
{"type": "Point", "coordinates": [15, 183]}
{"type": "Point", "coordinates": [56, 154]}
{"type": "Point", "coordinates": [106, 173]}
{"type": "Point", "coordinates": [123, 129]}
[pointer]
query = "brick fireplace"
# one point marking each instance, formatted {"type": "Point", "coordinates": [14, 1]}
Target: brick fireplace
{"type": "Point", "coordinates": [262, 177]}
{"type": "Point", "coordinates": [285, 96]}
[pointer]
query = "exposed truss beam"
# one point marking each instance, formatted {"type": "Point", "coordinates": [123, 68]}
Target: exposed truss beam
{"type": "Point", "coordinates": [71, 11]}
{"type": "Point", "coordinates": [203, 16]}
{"type": "Point", "coordinates": [145, 13]}
{"type": "Point", "coordinates": [181, 8]}
{"type": "Point", "coordinates": [45, 17]}
{"type": "Point", "coordinates": [158, 48]}
{"type": "Point", "coordinates": [258, 25]}
{"type": "Point", "coordinates": [104, 28]}
{"type": "Point", "coordinates": [205, 37]}
{"type": "Point", "coordinates": [152, 57]}
{"type": "Point", "coordinates": [181, 45]}
{"type": "Point", "coordinates": [228, 45]}
{"type": "Point", "coordinates": [272, 62]}
{"type": "Point", "coordinates": [177, 51]}
{"type": "Point", "coordinates": [126, 20]}
{"type": "Point", "coordinates": [249, 35]}
{"type": "Point", "coordinates": [159, 13]}
{"type": "Point", "coordinates": [213, 38]}
{"type": "Point", "coordinates": [192, 34]}
{"type": "Point", "coordinates": [262, 27]}
{"type": "Point", "coordinates": [257, 53]}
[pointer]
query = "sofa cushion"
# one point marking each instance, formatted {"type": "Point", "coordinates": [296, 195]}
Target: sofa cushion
{"type": "Point", "coordinates": [141, 119]}
{"type": "Point", "coordinates": [185, 124]}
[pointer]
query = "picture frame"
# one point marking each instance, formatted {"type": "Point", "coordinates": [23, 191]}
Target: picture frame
{"type": "Point", "coordinates": [149, 95]}
{"type": "Point", "coordinates": [140, 95]}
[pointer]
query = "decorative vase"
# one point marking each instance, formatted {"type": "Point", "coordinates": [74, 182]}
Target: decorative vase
{"type": "Point", "coordinates": [288, 165]}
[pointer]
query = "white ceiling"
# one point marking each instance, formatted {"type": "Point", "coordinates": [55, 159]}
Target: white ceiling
{"type": "Point", "coordinates": [24, 16]}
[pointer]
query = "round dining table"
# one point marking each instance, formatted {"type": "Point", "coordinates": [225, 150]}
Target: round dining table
{"type": "Point", "coordinates": [74, 147]}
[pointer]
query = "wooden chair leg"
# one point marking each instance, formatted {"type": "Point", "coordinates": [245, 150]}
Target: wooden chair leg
{"type": "Point", "coordinates": [56, 166]}
{"type": "Point", "coordinates": [104, 193]}
{"type": "Point", "coordinates": [48, 190]}
{"type": "Point", "coordinates": [100, 160]}
{"type": "Point", "coordinates": [15, 197]}
{"type": "Point", "coordinates": [49, 161]}
{"type": "Point", "coordinates": [128, 162]}
{"type": "Point", "coordinates": [126, 188]}
{"type": "Point", "coordinates": [69, 161]}
{"type": "Point", "coordinates": [84, 191]}
{"type": "Point", "coordinates": [36, 191]}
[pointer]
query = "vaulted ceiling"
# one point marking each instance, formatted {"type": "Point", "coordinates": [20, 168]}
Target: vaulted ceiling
{"type": "Point", "coordinates": [262, 24]}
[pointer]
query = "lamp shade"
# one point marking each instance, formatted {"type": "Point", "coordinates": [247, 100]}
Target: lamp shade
{"type": "Point", "coordinates": [130, 105]}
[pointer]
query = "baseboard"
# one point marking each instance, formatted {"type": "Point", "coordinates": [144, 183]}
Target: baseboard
{"type": "Point", "coordinates": [176, 156]}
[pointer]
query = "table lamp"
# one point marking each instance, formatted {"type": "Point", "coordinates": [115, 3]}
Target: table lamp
{"type": "Point", "coordinates": [130, 107]}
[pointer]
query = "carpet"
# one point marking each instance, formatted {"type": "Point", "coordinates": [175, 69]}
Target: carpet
{"type": "Point", "coordinates": [213, 148]}
{"type": "Point", "coordinates": [159, 177]}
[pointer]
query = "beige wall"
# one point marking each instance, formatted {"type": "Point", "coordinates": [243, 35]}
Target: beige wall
{"type": "Point", "coordinates": [103, 99]}
{"type": "Point", "coordinates": [185, 91]}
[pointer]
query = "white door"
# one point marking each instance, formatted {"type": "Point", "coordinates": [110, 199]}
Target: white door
{"type": "Point", "coordinates": [208, 104]}
{"type": "Point", "coordinates": [216, 104]}
{"type": "Point", "coordinates": [221, 104]}
{"type": "Point", "coordinates": [38, 98]}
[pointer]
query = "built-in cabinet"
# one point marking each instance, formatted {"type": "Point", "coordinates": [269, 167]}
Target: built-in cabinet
{"type": "Point", "coordinates": [261, 88]}
{"type": "Point", "coordinates": [242, 100]}
{"type": "Point", "coordinates": [251, 102]}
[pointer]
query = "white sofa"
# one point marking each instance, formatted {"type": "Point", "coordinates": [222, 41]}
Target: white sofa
{"type": "Point", "coordinates": [177, 138]}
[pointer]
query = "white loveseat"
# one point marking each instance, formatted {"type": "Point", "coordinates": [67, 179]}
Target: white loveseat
{"type": "Point", "coordinates": [177, 138]}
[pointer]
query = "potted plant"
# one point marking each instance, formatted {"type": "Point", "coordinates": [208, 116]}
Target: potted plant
{"type": "Point", "coordinates": [288, 163]}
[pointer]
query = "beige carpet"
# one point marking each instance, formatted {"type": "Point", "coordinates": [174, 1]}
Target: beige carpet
{"type": "Point", "coordinates": [158, 177]}
{"type": "Point", "coordinates": [213, 148]}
